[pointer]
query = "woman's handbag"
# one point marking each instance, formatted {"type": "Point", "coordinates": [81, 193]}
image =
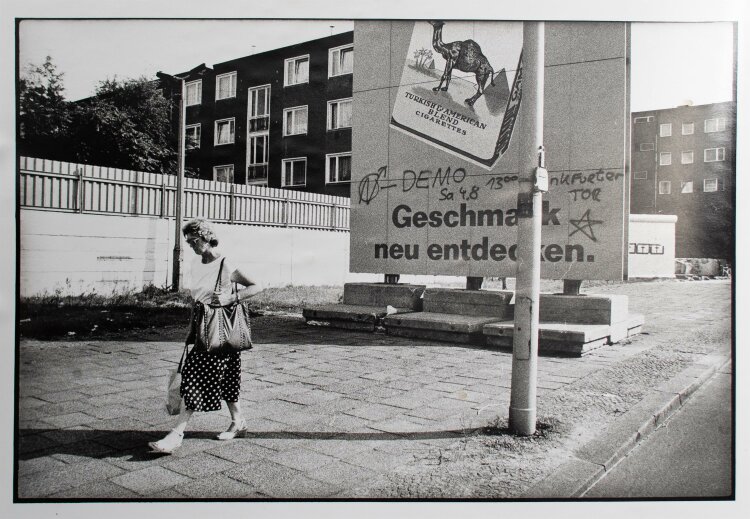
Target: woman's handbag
{"type": "Point", "coordinates": [174, 399]}
{"type": "Point", "coordinates": [223, 328]}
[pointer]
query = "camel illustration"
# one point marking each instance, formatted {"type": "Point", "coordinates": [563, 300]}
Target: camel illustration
{"type": "Point", "coordinates": [466, 56]}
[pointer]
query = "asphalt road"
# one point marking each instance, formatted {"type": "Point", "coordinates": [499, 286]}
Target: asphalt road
{"type": "Point", "coordinates": [689, 456]}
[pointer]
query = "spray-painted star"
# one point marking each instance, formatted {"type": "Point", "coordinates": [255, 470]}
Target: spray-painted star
{"type": "Point", "coordinates": [585, 225]}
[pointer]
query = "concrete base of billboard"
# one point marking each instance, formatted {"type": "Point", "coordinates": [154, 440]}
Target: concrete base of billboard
{"type": "Point", "coordinates": [366, 304]}
{"type": "Point", "coordinates": [582, 308]}
{"type": "Point", "coordinates": [436, 326]}
{"type": "Point", "coordinates": [567, 338]}
{"type": "Point", "coordinates": [453, 315]}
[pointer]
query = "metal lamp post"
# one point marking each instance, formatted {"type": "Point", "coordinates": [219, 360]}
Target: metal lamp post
{"type": "Point", "coordinates": [177, 251]}
{"type": "Point", "coordinates": [532, 182]}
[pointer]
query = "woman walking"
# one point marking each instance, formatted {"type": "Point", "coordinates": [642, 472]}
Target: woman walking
{"type": "Point", "coordinates": [208, 378]}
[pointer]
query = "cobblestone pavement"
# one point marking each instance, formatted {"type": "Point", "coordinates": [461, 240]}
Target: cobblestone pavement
{"type": "Point", "coordinates": [340, 414]}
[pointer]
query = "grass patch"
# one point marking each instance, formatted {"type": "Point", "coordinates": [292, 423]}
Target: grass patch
{"type": "Point", "coordinates": [150, 314]}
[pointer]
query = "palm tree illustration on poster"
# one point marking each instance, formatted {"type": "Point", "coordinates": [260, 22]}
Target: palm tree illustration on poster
{"type": "Point", "coordinates": [460, 87]}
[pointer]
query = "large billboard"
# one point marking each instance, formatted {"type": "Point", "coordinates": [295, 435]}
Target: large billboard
{"type": "Point", "coordinates": [436, 155]}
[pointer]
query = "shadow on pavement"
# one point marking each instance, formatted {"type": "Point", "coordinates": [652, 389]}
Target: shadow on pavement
{"type": "Point", "coordinates": [98, 444]}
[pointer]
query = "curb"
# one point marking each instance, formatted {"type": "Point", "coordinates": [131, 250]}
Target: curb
{"type": "Point", "coordinates": [591, 462]}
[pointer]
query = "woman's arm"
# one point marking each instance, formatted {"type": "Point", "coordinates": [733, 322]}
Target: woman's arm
{"type": "Point", "coordinates": [244, 293]}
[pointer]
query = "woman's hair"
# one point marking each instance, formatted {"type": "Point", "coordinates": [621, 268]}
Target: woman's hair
{"type": "Point", "coordinates": [201, 227]}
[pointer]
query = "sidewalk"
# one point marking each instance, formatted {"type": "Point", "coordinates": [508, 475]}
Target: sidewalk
{"type": "Point", "coordinates": [339, 414]}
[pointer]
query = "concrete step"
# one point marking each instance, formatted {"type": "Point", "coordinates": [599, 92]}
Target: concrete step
{"type": "Point", "coordinates": [438, 326]}
{"type": "Point", "coordinates": [489, 303]}
{"type": "Point", "coordinates": [583, 308]}
{"type": "Point", "coordinates": [567, 338]}
{"type": "Point", "coordinates": [350, 317]}
{"type": "Point", "coordinates": [382, 295]}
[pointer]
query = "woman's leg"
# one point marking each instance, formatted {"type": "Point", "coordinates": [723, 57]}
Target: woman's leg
{"type": "Point", "coordinates": [183, 419]}
{"type": "Point", "coordinates": [238, 427]}
{"type": "Point", "coordinates": [173, 439]}
{"type": "Point", "coordinates": [235, 411]}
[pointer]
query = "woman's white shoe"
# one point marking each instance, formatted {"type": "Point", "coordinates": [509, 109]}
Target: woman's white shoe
{"type": "Point", "coordinates": [235, 429]}
{"type": "Point", "coordinates": [168, 444]}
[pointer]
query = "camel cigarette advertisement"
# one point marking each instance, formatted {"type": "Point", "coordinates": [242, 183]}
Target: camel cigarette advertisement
{"type": "Point", "coordinates": [422, 202]}
{"type": "Point", "coordinates": [461, 87]}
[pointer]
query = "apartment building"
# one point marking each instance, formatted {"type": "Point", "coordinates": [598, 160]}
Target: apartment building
{"type": "Point", "coordinates": [683, 163]}
{"type": "Point", "coordinates": [280, 118]}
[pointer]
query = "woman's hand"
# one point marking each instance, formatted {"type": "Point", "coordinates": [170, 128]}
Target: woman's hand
{"type": "Point", "coordinates": [219, 299]}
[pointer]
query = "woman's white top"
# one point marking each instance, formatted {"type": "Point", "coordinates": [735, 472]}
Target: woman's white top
{"type": "Point", "coordinates": [203, 278]}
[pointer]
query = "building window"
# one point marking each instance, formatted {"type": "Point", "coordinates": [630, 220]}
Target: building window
{"type": "Point", "coordinates": [665, 130]}
{"type": "Point", "coordinates": [338, 167]}
{"type": "Point", "coordinates": [224, 132]}
{"type": "Point", "coordinates": [686, 187]}
{"type": "Point", "coordinates": [710, 185]}
{"type": "Point", "coordinates": [340, 114]}
{"type": "Point", "coordinates": [295, 121]}
{"type": "Point", "coordinates": [713, 155]}
{"type": "Point", "coordinates": [665, 187]}
{"type": "Point", "coordinates": [257, 158]}
{"type": "Point", "coordinates": [644, 119]}
{"type": "Point", "coordinates": [647, 146]}
{"type": "Point", "coordinates": [341, 60]}
{"type": "Point", "coordinates": [718, 124]}
{"type": "Point", "coordinates": [665, 158]}
{"type": "Point", "coordinates": [192, 136]}
{"type": "Point", "coordinates": [193, 92]}
{"type": "Point", "coordinates": [293, 172]}
{"type": "Point", "coordinates": [688, 128]}
{"type": "Point", "coordinates": [686, 157]}
{"type": "Point", "coordinates": [296, 70]}
{"type": "Point", "coordinates": [640, 175]}
{"type": "Point", "coordinates": [258, 115]}
{"type": "Point", "coordinates": [224, 173]}
{"type": "Point", "coordinates": [258, 111]}
{"type": "Point", "coordinates": [226, 85]}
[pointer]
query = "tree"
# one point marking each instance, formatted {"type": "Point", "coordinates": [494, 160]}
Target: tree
{"type": "Point", "coordinates": [127, 124]}
{"type": "Point", "coordinates": [43, 114]}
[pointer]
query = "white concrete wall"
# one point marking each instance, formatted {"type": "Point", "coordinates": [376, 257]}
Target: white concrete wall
{"type": "Point", "coordinates": [81, 253]}
{"type": "Point", "coordinates": [651, 248]}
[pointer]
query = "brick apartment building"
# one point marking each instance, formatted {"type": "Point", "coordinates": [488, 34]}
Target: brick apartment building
{"type": "Point", "coordinates": [280, 118]}
{"type": "Point", "coordinates": [683, 163]}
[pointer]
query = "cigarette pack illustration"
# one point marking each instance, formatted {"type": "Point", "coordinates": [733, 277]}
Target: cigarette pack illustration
{"type": "Point", "coordinates": [455, 91]}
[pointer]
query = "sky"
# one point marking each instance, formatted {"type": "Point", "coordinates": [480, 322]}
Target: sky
{"type": "Point", "coordinates": [672, 63]}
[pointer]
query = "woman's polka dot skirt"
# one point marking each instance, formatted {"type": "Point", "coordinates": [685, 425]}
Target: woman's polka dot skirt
{"type": "Point", "coordinates": [209, 378]}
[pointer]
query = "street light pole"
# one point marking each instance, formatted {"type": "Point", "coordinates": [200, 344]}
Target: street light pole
{"type": "Point", "coordinates": [177, 253]}
{"type": "Point", "coordinates": [179, 195]}
{"type": "Point", "coordinates": [532, 182]}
